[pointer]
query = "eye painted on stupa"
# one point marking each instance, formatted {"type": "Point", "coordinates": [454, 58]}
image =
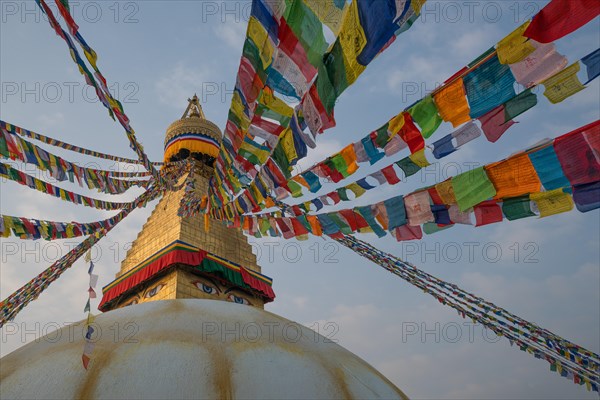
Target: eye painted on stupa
{"type": "Point", "coordinates": [154, 291]}
{"type": "Point", "coordinates": [238, 299]}
{"type": "Point", "coordinates": [206, 287]}
{"type": "Point", "coordinates": [132, 302]}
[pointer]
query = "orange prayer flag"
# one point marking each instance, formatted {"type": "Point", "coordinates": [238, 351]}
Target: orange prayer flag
{"type": "Point", "coordinates": [350, 157]}
{"type": "Point", "coordinates": [513, 177]}
{"type": "Point", "coordinates": [269, 202]}
{"type": "Point", "coordinates": [315, 226]}
{"type": "Point", "coordinates": [452, 103]}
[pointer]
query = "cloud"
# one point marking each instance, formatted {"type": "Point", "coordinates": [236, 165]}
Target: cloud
{"type": "Point", "coordinates": [179, 82]}
{"type": "Point", "coordinates": [232, 33]}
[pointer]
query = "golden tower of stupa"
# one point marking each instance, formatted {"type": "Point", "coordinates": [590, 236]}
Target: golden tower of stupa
{"type": "Point", "coordinates": [174, 257]}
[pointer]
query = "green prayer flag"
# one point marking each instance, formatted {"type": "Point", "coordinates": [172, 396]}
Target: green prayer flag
{"type": "Point", "coordinates": [281, 160]}
{"type": "Point", "coordinates": [425, 114]}
{"type": "Point", "coordinates": [383, 136]}
{"type": "Point", "coordinates": [87, 306]}
{"type": "Point", "coordinates": [472, 187]}
{"type": "Point", "coordinates": [517, 208]}
{"type": "Point", "coordinates": [308, 29]}
{"type": "Point", "coordinates": [336, 69]}
{"type": "Point", "coordinates": [340, 165]}
{"type": "Point", "coordinates": [325, 89]}
{"type": "Point", "coordinates": [295, 188]}
{"type": "Point", "coordinates": [344, 228]}
{"type": "Point", "coordinates": [519, 104]}
{"type": "Point", "coordinates": [431, 227]}
{"type": "Point", "coordinates": [342, 193]}
{"type": "Point", "coordinates": [408, 166]}
{"type": "Point", "coordinates": [4, 148]}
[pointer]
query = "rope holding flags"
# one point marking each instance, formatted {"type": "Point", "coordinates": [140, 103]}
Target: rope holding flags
{"type": "Point", "coordinates": [89, 330]}
{"type": "Point", "coordinates": [579, 364]}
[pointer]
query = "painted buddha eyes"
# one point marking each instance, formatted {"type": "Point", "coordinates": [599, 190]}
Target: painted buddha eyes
{"type": "Point", "coordinates": [152, 292]}
{"type": "Point", "coordinates": [132, 302]}
{"type": "Point", "coordinates": [237, 299]}
{"type": "Point", "coordinates": [206, 287]}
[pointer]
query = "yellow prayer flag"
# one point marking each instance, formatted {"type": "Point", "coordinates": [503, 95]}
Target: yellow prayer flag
{"type": "Point", "coordinates": [257, 33]}
{"type": "Point", "coordinates": [352, 38]}
{"type": "Point", "coordinates": [419, 158]}
{"type": "Point", "coordinates": [237, 106]}
{"type": "Point", "coordinates": [515, 47]}
{"type": "Point", "coordinates": [452, 105]}
{"type": "Point", "coordinates": [446, 192]}
{"type": "Point", "coordinates": [417, 5]}
{"type": "Point", "coordinates": [552, 202]}
{"type": "Point", "coordinates": [563, 84]}
{"type": "Point", "coordinates": [396, 124]}
{"type": "Point", "coordinates": [287, 143]}
{"type": "Point", "coordinates": [274, 103]}
{"type": "Point", "coordinates": [356, 189]}
{"type": "Point", "coordinates": [328, 13]}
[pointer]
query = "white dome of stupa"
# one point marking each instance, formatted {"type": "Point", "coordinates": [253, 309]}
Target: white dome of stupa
{"type": "Point", "coordinates": [190, 349]}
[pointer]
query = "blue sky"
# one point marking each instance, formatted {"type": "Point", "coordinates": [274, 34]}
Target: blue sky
{"type": "Point", "coordinates": [156, 54]}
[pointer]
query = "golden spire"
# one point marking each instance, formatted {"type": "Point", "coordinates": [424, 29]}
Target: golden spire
{"type": "Point", "coordinates": [194, 109]}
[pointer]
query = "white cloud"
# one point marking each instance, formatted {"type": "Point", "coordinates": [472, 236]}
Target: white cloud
{"type": "Point", "coordinates": [232, 33]}
{"type": "Point", "coordinates": [181, 82]}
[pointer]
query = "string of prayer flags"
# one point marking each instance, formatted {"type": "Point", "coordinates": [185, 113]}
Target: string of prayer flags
{"type": "Point", "coordinates": [529, 337]}
{"type": "Point", "coordinates": [113, 106]}
{"type": "Point", "coordinates": [89, 343]}
{"type": "Point", "coordinates": [16, 148]}
{"type": "Point", "coordinates": [592, 64]}
{"type": "Point", "coordinates": [28, 228]}
{"type": "Point", "coordinates": [559, 18]}
{"type": "Point", "coordinates": [563, 84]}
{"type": "Point", "coordinates": [67, 146]}
{"type": "Point", "coordinates": [15, 175]}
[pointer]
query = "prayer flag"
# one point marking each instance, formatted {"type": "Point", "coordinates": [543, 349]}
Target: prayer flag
{"type": "Point", "coordinates": [452, 103]}
{"type": "Point", "coordinates": [563, 84]}
{"type": "Point", "coordinates": [552, 202]}
{"type": "Point", "coordinates": [559, 18]}
{"type": "Point", "coordinates": [472, 187]}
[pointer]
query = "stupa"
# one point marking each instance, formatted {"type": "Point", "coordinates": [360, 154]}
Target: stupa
{"type": "Point", "coordinates": [184, 317]}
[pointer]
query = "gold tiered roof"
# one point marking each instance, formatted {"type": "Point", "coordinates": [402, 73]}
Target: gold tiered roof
{"type": "Point", "coordinates": [193, 132]}
{"type": "Point", "coordinates": [172, 252]}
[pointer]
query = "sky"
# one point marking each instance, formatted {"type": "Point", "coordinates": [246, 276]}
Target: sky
{"type": "Point", "coordinates": [156, 54]}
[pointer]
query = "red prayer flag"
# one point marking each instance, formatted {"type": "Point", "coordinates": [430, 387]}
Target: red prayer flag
{"type": "Point", "coordinates": [493, 124]}
{"type": "Point", "coordinates": [411, 135]}
{"type": "Point", "coordinates": [390, 175]}
{"type": "Point", "coordinates": [408, 232]}
{"type": "Point", "coordinates": [487, 212]}
{"type": "Point", "coordinates": [561, 17]}
{"type": "Point", "coordinates": [576, 155]}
